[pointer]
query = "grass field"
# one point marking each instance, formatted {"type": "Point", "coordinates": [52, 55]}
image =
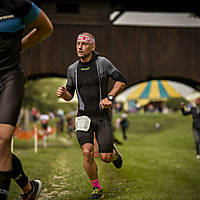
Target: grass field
{"type": "Point", "coordinates": [157, 165]}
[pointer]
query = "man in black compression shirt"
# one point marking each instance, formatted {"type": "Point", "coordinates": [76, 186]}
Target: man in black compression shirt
{"type": "Point", "coordinates": [14, 16]}
{"type": "Point", "coordinates": [89, 77]}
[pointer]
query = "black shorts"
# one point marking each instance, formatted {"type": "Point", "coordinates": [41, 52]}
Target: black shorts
{"type": "Point", "coordinates": [11, 95]}
{"type": "Point", "coordinates": [103, 132]}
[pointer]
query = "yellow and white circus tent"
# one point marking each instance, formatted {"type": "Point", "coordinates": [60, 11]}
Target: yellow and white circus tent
{"type": "Point", "coordinates": [153, 91]}
{"type": "Point", "coordinates": [191, 97]}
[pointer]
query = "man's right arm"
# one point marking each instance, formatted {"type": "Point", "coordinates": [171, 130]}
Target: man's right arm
{"type": "Point", "coordinates": [63, 93]}
{"type": "Point", "coordinates": [67, 93]}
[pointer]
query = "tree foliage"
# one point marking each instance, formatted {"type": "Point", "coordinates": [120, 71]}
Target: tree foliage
{"type": "Point", "coordinates": [174, 103]}
{"type": "Point", "coordinates": [41, 94]}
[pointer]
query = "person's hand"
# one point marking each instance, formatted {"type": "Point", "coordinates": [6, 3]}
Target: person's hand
{"type": "Point", "coordinates": [105, 103]}
{"type": "Point", "coordinates": [182, 104]}
{"type": "Point", "coordinates": [61, 92]}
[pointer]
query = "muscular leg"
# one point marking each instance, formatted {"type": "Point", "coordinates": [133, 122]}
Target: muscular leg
{"type": "Point", "coordinates": [10, 104]}
{"type": "Point", "coordinates": [5, 159]}
{"type": "Point", "coordinates": [5, 147]}
{"type": "Point", "coordinates": [108, 157]}
{"type": "Point", "coordinates": [19, 176]}
{"type": "Point", "coordinates": [113, 157]}
{"type": "Point", "coordinates": [89, 162]}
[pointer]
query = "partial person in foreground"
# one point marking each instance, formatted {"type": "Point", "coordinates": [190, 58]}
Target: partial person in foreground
{"type": "Point", "coordinates": [15, 15]}
{"type": "Point", "coordinates": [89, 77]}
{"type": "Point", "coordinates": [195, 112]}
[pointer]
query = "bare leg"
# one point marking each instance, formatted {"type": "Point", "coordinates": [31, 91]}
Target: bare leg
{"type": "Point", "coordinates": [114, 157]}
{"type": "Point", "coordinates": [108, 157]}
{"type": "Point", "coordinates": [5, 159]}
{"type": "Point", "coordinates": [6, 132]}
{"type": "Point", "coordinates": [89, 162]}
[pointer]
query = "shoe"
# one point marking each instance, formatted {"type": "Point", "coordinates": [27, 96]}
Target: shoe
{"type": "Point", "coordinates": [96, 194]}
{"type": "Point", "coordinates": [198, 156]}
{"type": "Point", "coordinates": [35, 192]}
{"type": "Point", "coordinates": [118, 161]}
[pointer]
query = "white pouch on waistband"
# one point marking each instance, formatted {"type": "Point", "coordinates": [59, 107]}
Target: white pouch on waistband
{"type": "Point", "coordinates": [82, 123]}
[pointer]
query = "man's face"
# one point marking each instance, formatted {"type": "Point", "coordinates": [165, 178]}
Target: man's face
{"type": "Point", "coordinates": [84, 48]}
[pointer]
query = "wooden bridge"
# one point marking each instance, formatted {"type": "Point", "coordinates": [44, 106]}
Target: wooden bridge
{"type": "Point", "coordinates": [141, 53]}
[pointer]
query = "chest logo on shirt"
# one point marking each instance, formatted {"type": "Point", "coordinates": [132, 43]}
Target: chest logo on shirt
{"type": "Point", "coordinates": [85, 68]}
{"type": "Point", "coordinates": [6, 17]}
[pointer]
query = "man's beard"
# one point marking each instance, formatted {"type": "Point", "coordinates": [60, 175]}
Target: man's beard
{"type": "Point", "coordinates": [84, 56]}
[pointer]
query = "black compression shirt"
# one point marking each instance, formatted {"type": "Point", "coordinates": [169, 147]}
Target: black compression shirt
{"type": "Point", "coordinates": [90, 80]}
{"type": "Point", "coordinates": [88, 84]}
{"type": "Point", "coordinates": [14, 15]}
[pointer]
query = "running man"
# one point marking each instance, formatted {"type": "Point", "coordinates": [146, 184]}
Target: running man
{"type": "Point", "coordinates": [89, 77]}
{"type": "Point", "coordinates": [14, 16]}
{"type": "Point", "coordinates": [195, 112]}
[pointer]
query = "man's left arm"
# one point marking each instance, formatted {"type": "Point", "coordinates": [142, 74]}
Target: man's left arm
{"type": "Point", "coordinates": [119, 86]}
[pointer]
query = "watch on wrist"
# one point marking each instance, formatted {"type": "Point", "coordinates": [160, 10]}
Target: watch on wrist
{"type": "Point", "coordinates": [110, 97]}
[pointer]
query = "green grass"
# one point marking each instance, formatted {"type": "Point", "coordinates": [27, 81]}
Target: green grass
{"type": "Point", "coordinates": [157, 165]}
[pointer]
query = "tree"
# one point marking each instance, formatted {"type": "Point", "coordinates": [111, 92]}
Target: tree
{"type": "Point", "coordinates": [41, 93]}
{"type": "Point", "coordinates": [174, 103]}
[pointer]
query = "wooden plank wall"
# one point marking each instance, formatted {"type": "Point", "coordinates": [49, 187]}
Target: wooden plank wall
{"type": "Point", "coordinates": [141, 53]}
{"type": "Point", "coordinates": [157, 52]}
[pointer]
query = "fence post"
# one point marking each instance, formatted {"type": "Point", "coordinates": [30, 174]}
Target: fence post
{"type": "Point", "coordinates": [35, 138]}
{"type": "Point", "coordinates": [44, 140]}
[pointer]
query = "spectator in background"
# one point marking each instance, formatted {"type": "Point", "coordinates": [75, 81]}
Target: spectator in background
{"type": "Point", "coordinates": [124, 125]}
{"type": "Point", "coordinates": [60, 121]}
{"type": "Point", "coordinates": [34, 114]}
{"type": "Point", "coordinates": [60, 124]}
{"type": "Point", "coordinates": [195, 112]}
{"type": "Point", "coordinates": [117, 124]}
{"type": "Point", "coordinates": [52, 115]}
{"type": "Point", "coordinates": [69, 125]}
{"type": "Point", "coordinates": [44, 120]}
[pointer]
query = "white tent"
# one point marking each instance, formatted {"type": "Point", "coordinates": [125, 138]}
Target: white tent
{"type": "Point", "coordinates": [193, 96]}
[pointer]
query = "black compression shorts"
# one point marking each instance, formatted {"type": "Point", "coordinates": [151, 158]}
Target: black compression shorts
{"type": "Point", "coordinates": [103, 132]}
{"type": "Point", "coordinates": [11, 95]}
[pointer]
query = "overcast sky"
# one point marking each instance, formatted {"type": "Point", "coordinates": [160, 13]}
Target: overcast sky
{"type": "Point", "coordinates": [157, 19]}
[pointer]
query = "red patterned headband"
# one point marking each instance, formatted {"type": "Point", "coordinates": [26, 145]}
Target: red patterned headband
{"type": "Point", "coordinates": [86, 39]}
